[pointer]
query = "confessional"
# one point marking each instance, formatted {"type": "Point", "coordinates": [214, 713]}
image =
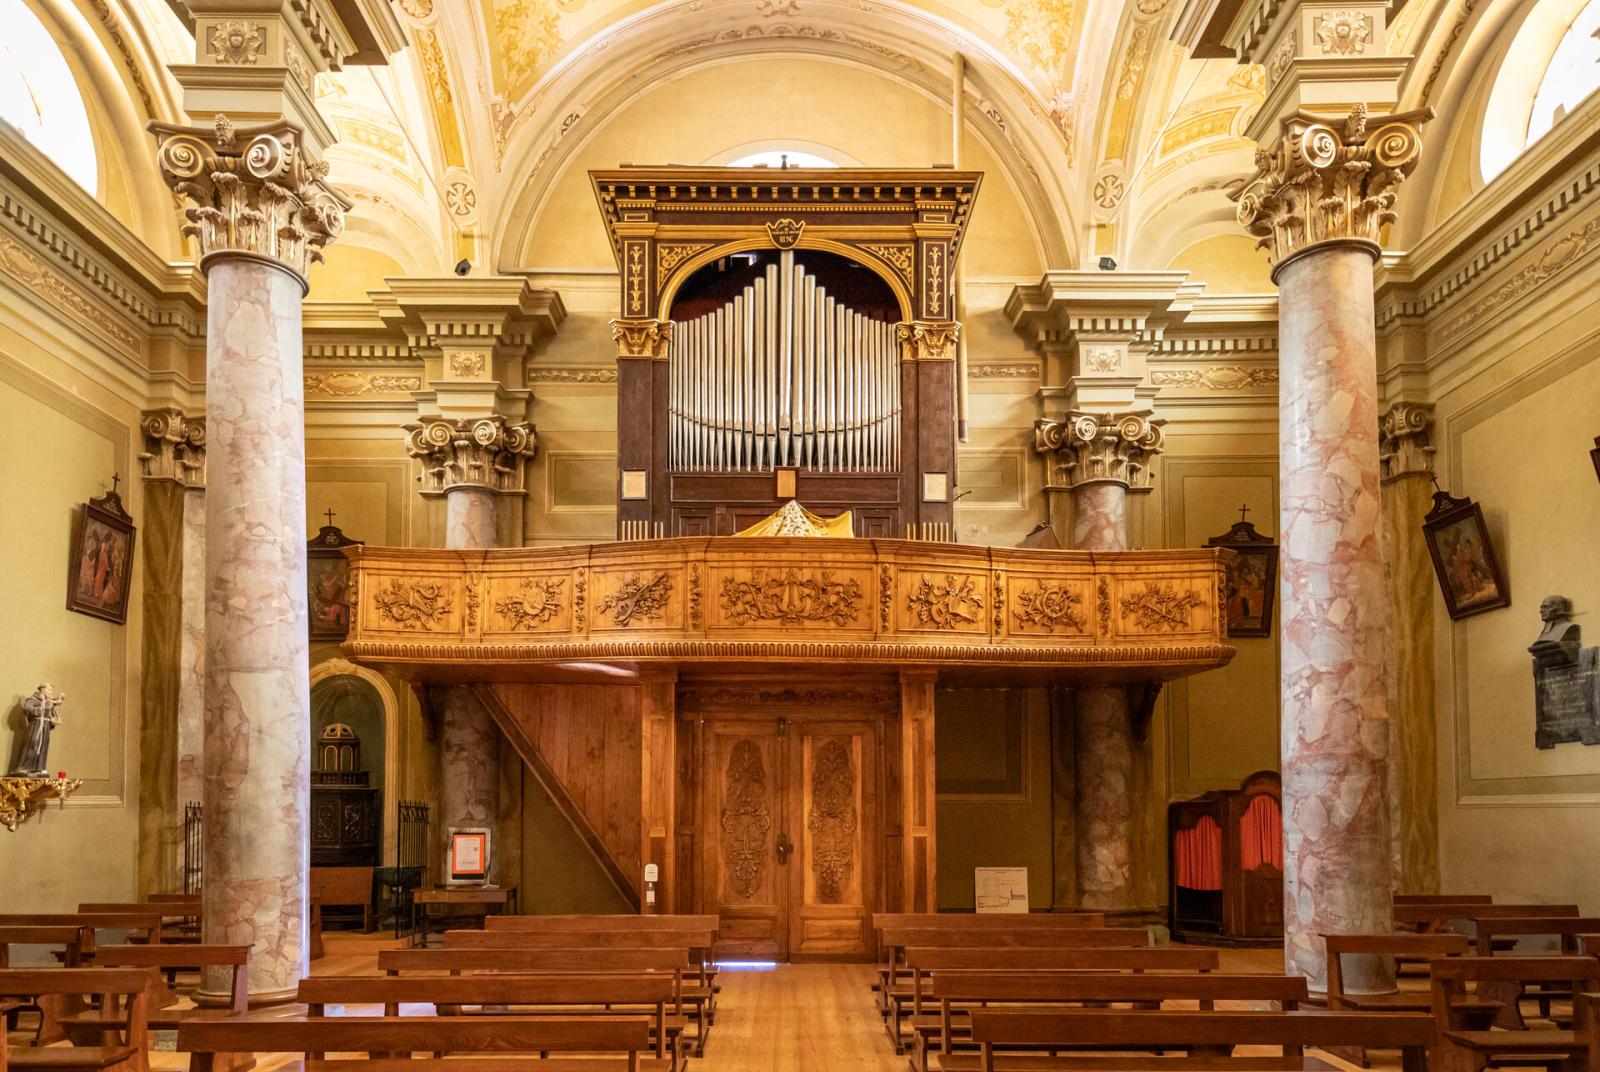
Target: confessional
{"type": "Point", "coordinates": [1226, 856]}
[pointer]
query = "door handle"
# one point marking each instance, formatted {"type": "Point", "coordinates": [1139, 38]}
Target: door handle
{"type": "Point", "coordinates": [785, 847]}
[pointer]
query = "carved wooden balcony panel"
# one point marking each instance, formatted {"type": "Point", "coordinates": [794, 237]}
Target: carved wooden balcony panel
{"type": "Point", "coordinates": [867, 604]}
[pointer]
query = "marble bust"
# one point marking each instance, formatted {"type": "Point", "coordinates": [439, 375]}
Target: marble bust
{"type": "Point", "coordinates": [1566, 679]}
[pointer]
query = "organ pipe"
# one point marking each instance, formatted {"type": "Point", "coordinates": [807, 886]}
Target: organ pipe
{"type": "Point", "coordinates": [784, 375]}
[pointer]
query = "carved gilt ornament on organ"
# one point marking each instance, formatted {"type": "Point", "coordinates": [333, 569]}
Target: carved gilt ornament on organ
{"type": "Point", "coordinates": [1325, 181]}
{"type": "Point", "coordinates": [642, 338]}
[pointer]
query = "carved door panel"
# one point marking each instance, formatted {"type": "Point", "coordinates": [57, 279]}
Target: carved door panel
{"type": "Point", "coordinates": [742, 872]}
{"type": "Point", "coordinates": [832, 816]}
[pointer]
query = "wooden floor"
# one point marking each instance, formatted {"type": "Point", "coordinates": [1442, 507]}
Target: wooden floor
{"type": "Point", "coordinates": [787, 1019]}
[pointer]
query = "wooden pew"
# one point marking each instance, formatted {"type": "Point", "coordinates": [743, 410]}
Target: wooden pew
{"type": "Point", "coordinates": [968, 921]}
{"type": "Point", "coordinates": [168, 959]}
{"type": "Point", "coordinates": [74, 942]}
{"type": "Point", "coordinates": [904, 999]}
{"type": "Point", "coordinates": [1442, 898]}
{"type": "Point", "coordinates": [1467, 1046]}
{"type": "Point", "coordinates": [586, 1035]}
{"type": "Point", "coordinates": [147, 919]}
{"type": "Point", "coordinates": [598, 922]}
{"type": "Point", "coordinates": [1432, 917]}
{"type": "Point", "coordinates": [126, 1054]}
{"type": "Point", "coordinates": [958, 993]}
{"type": "Point", "coordinates": [1567, 928]}
{"type": "Point", "coordinates": [1413, 946]}
{"type": "Point", "coordinates": [994, 1029]}
{"type": "Point", "coordinates": [611, 997]}
{"type": "Point", "coordinates": [692, 992]}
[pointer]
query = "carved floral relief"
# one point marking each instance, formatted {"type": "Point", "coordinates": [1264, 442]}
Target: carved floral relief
{"type": "Point", "coordinates": [832, 820]}
{"type": "Point", "coordinates": [952, 603]}
{"type": "Point", "coordinates": [790, 598]}
{"type": "Point", "coordinates": [746, 818]}
{"type": "Point", "coordinates": [638, 598]}
{"type": "Point", "coordinates": [420, 605]}
{"type": "Point", "coordinates": [537, 600]}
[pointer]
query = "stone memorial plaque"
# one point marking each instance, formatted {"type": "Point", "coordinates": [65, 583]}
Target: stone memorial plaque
{"type": "Point", "coordinates": [1566, 680]}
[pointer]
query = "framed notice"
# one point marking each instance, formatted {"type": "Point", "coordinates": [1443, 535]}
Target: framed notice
{"type": "Point", "coordinates": [468, 859]}
{"type": "Point", "coordinates": [1001, 889]}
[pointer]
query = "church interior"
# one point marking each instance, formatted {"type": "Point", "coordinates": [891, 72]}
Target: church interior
{"type": "Point", "coordinates": [779, 534]}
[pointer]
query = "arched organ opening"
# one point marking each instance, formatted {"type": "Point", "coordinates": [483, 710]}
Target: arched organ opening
{"type": "Point", "coordinates": [785, 373]}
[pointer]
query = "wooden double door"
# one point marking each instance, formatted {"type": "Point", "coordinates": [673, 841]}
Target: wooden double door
{"type": "Point", "coordinates": [788, 822]}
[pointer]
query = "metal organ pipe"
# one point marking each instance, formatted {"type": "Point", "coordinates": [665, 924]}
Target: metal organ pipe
{"type": "Point", "coordinates": [784, 375]}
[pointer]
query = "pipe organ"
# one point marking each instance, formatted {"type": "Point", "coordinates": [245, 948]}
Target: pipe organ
{"type": "Point", "coordinates": [823, 370]}
{"type": "Point", "coordinates": [784, 375]}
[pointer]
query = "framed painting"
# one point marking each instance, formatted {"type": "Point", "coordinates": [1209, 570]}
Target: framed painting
{"type": "Point", "coordinates": [1463, 557]}
{"type": "Point", "coordinates": [1252, 584]}
{"type": "Point", "coordinates": [101, 561]}
{"type": "Point", "coordinates": [328, 582]}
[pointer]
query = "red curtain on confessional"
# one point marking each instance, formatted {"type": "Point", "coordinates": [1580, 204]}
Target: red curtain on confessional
{"type": "Point", "coordinates": [1199, 855]}
{"type": "Point", "coordinates": [1261, 834]}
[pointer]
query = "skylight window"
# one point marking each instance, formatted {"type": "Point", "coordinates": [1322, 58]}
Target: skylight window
{"type": "Point", "coordinates": [40, 97]}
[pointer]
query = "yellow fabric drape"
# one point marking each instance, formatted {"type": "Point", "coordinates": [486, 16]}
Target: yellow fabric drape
{"type": "Point", "coordinates": [792, 519]}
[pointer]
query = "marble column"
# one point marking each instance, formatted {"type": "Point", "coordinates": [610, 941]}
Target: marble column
{"type": "Point", "coordinates": [1101, 457]}
{"type": "Point", "coordinates": [470, 462]}
{"type": "Point", "coordinates": [1406, 456]}
{"type": "Point", "coordinates": [1319, 200]}
{"type": "Point", "coordinates": [261, 210]}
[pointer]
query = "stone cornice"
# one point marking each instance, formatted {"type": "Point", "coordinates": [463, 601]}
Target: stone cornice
{"type": "Point", "coordinates": [1556, 177]}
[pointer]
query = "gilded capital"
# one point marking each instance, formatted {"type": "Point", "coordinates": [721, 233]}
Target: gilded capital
{"type": "Point", "coordinates": [1324, 180]}
{"type": "Point", "coordinates": [488, 452]}
{"type": "Point", "coordinates": [253, 190]}
{"type": "Point", "coordinates": [642, 338]}
{"type": "Point", "coordinates": [1404, 447]}
{"type": "Point", "coordinates": [1089, 448]}
{"type": "Point", "coordinates": [928, 340]}
{"type": "Point", "coordinates": [174, 447]}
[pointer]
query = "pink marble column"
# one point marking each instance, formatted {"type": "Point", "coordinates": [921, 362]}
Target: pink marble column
{"type": "Point", "coordinates": [257, 693]}
{"type": "Point", "coordinates": [1335, 726]}
{"type": "Point", "coordinates": [469, 517]}
{"type": "Point", "coordinates": [1102, 734]}
{"type": "Point", "coordinates": [469, 741]}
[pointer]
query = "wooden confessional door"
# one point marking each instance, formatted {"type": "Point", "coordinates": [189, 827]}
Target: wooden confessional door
{"type": "Point", "coordinates": [788, 820]}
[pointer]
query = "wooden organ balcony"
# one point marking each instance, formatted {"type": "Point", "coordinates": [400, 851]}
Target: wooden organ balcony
{"type": "Point", "coordinates": [974, 613]}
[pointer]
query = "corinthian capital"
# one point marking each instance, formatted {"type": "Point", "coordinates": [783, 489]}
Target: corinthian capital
{"type": "Point", "coordinates": [174, 447]}
{"type": "Point", "coordinates": [1404, 449]}
{"type": "Point", "coordinates": [642, 338]}
{"type": "Point", "coordinates": [488, 452]}
{"type": "Point", "coordinates": [1088, 448]}
{"type": "Point", "coordinates": [928, 340]}
{"type": "Point", "coordinates": [1324, 180]}
{"type": "Point", "coordinates": [253, 190]}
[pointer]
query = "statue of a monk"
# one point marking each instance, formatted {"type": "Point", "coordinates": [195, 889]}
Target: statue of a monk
{"type": "Point", "coordinates": [43, 710]}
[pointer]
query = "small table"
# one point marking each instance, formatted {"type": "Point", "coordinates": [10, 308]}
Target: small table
{"type": "Point", "coordinates": [502, 898]}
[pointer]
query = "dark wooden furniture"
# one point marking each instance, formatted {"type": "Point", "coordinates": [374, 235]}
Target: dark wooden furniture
{"type": "Point", "coordinates": [993, 1029]}
{"type": "Point", "coordinates": [344, 825]}
{"type": "Point", "coordinates": [1467, 1045]}
{"type": "Point", "coordinates": [127, 1051]}
{"type": "Point", "coordinates": [1226, 863]}
{"type": "Point", "coordinates": [956, 994]}
{"type": "Point", "coordinates": [609, 996]}
{"type": "Point", "coordinates": [500, 899]}
{"type": "Point", "coordinates": [1566, 929]}
{"type": "Point", "coordinates": [1435, 917]}
{"type": "Point", "coordinates": [551, 1036]}
{"type": "Point", "coordinates": [344, 886]}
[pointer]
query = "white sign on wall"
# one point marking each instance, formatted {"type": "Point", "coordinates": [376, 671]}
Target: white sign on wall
{"type": "Point", "coordinates": [1001, 889]}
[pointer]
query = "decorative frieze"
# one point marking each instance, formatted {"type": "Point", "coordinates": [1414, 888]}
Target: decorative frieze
{"type": "Point", "coordinates": [174, 447]}
{"type": "Point", "coordinates": [1087, 448]}
{"type": "Point", "coordinates": [254, 190]}
{"type": "Point", "coordinates": [488, 452]}
{"type": "Point", "coordinates": [1404, 440]}
{"type": "Point", "coordinates": [1326, 181]}
{"type": "Point", "coordinates": [347, 384]}
{"type": "Point", "coordinates": [642, 338]}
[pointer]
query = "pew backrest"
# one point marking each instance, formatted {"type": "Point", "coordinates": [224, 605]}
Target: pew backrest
{"type": "Point", "coordinates": [1164, 958]}
{"type": "Point", "coordinates": [1567, 928]}
{"type": "Point", "coordinates": [1420, 916]}
{"type": "Point", "coordinates": [583, 961]}
{"type": "Point", "coordinates": [74, 941]}
{"type": "Point", "coordinates": [236, 957]}
{"type": "Point", "coordinates": [1413, 1032]}
{"type": "Point", "coordinates": [1451, 976]}
{"type": "Point", "coordinates": [956, 921]}
{"type": "Point", "coordinates": [552, 989]}
{"type": "Point", "coordinates": [132, 985]}
{"type": "Point", "coordinates": [1290, 990]}
{"type": "Point", "coordinates": [1081, 938]}
{"type": "Point", "coordinates": [666, 939]}
{"type": "Point", "coordinates": [1426, 946]}
{"type": "Point", "coordinates": [620, 923]}
{"type": "Point", "coordinates": [1443, 898]}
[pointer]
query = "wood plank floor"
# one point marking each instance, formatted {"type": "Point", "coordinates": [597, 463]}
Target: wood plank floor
{"type": "Point", "coordinates": [788, 1019]}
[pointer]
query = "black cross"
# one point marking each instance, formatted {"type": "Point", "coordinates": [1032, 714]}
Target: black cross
{"type": "Point", "coordinates": [115, 480]}
{"type": "Point", "coordinates": [1243, 510]}
{"type": "Point", "coordinates": [330, 517]}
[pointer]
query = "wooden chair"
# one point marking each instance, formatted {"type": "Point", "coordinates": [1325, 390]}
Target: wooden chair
{"type": "Point", "coordinates": [958, 993]}
{"type": "Point", "coordinates": [607, 996]}
{"type": "Point", "coordinates": [1466, 1044]}
{"type": "Point", "coordinates": [129, 1053]}
{"type": "Point", "coordinates": [586, 1036]}
{"type": "Point", "coordinates": [994, 1029]}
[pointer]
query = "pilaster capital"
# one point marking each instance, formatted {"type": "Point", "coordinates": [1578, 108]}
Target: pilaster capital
{"type": "Point", "coordinates": [642, 338]}
{"type": "Point", "coordinates": [1405, 449]}
{"type": "Point", "coordinates": [1326, 180]}
{"type": "Point", "coordinates": [174, 447]}
{"type": "Point", "coordinates": [1088, 448]}
{"type": "Point", "coordinates": [488, 452]}
{"type": "Point", "coordinates": [252, 191]}
{"type": "Point", "coordinates": [928, 340]}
